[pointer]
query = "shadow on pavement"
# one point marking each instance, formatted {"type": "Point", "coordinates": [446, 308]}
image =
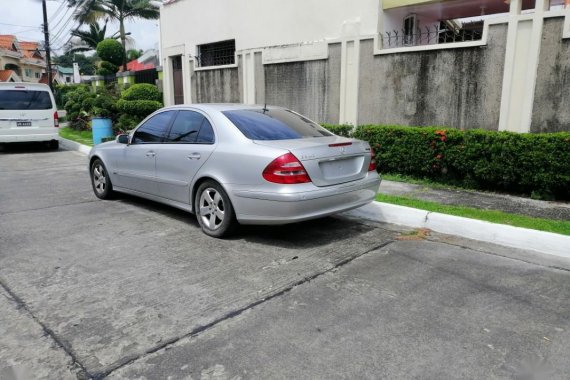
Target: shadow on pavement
{"type": "Point", "coordinates": [27, 147]}
{"type": "Point", "coordinates": [312, 233]}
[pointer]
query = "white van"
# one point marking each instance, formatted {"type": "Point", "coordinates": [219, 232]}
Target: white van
{"type": "Point", "coordinates": [28, 113]}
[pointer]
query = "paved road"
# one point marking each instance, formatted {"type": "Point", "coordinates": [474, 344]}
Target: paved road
{"type": "Point", "coordinates": [131, 289]}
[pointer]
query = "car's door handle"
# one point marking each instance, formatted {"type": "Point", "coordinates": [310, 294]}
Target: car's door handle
{"type": "Point", "coordinates": [194, 156]}
{"type": "Point", "coordinates": [150, 154]}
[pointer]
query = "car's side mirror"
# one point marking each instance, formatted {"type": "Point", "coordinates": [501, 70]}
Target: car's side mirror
{"type": "Point", "coordinates": [123, 139]}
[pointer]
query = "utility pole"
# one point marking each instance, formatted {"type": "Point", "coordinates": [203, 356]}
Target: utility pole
{"type": "Point", "coordinates": [48, 50]}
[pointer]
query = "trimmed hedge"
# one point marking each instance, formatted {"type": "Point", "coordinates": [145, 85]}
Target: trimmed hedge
{"type": "Point", "coordinates": [533, 164]}
{"type": "Point", "coordinates": [141, 108]}
{"type": "Point", "coordinates": [340, 130]}
{"type": "Point", "coordinates": [142, 91]}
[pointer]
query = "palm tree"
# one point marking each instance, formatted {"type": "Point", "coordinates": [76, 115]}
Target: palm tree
{"type": "Point", "coordinates": [91, 38]}
{"type": "Point", "coordinates": [119, 10]}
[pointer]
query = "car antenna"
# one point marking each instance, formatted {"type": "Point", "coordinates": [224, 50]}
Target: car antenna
{"type": "Point", "coordinates": [265, 108]}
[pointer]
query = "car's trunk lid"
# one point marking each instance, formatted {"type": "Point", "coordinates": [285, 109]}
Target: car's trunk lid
{"type": "Point", "coordinates": [328, 160]}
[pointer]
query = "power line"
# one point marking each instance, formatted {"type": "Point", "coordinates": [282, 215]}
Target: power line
{"type": "Point", "coordinates": [57, 12]}
{"type": "Point", "coordinates": [23, 26]}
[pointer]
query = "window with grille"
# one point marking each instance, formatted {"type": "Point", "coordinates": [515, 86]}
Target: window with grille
{"type": "Point", "coordinates": [217, 53]}
{"type": "Point", "coordinates": [410, 27]}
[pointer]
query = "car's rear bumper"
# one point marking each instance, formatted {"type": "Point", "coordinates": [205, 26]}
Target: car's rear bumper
{"type": "Point", "coordinates": [254, 207]}
{"type": "Point", "coordinates": [29, 135]}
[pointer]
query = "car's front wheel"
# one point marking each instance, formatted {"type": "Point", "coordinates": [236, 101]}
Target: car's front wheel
{"type": "Point", "coordinates": [102, 186]}
{"type": "Point", "coordinates": [214, 210]}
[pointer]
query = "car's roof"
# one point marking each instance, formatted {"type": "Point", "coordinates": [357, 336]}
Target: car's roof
{"type": "Point", "coordinates": [220, 107]}
{"type": "Point", "coordinates": [24, 85]}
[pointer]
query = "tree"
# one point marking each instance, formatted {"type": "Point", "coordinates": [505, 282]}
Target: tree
{"type": "Point", "coordinates": [87, 65]}
{"type": "Point", "coordinates": [112, 54]}
{"type": "Point", "coordinates": [133, 54]}
{"type": "Point", "coordinates": [91, 38]}
{"type": "Point", "coordinates": [118, 10]}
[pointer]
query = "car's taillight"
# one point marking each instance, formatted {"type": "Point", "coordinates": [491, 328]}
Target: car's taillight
{"type": "Point", "coordinates": [286, 169]}
{"type": "Point", "coordinates": [56, 120]}
{"type": "Point", "coordinates": [372, 165]}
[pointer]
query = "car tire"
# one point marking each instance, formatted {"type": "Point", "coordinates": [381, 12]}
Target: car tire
{"type": "Point", "coordinates": [102, 186]}
{"type": "Point", "coordinates": [53, 144]}
{"type": "Point", "coordinates": [214, 210]}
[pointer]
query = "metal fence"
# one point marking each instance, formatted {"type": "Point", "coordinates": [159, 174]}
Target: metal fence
{"type": "Point", "coordinates": [146, 76]}
{"type": "Point", "coordinates": [430, 36]}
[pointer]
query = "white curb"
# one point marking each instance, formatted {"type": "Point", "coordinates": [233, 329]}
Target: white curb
{"type": "Point", "coordinates": [515, 237]}
{"type": "Point", "coordinates": [72, 145]}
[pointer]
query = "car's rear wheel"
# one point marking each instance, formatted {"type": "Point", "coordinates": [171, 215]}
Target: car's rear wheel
{"type": "Point", "coordinates": [53, 144]}
{"type": "Point", "coordinates": [214, 210]}
{"type": "Point", "coordinates": [102, 186]}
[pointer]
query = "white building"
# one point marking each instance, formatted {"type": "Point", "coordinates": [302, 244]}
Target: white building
{"type": "Point", "coordinates": [333, 59]}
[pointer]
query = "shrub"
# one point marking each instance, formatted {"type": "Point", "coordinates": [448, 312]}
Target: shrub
{"type": "Point", "coordinates": [78, 104]}
{"type": "Point", "coordinates": [111, 50]}
{"type": "Point", "coordinates": [107, 68]}
{"type": "Point", "coordinates": [142, 91]}
{"type": "Point", "coordinates": [341, 130]}
{"type": "Point", "coordinates": [127, 122]}
{"type": "Point", "coordinates": [532, 164]}
{"type": "Point", "coordinates": [141, 108]}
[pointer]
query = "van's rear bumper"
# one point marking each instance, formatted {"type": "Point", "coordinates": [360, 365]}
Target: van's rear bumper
{"type": "Point", "coordinates": [28, 135]}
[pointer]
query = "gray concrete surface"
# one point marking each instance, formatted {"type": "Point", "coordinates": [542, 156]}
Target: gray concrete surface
{"type": "Point", "coordinates": [216, 86]}
{"type": "Point", "coordinates": [457, 88]}
{"type": "Point", "coordinates": [480, 200]}
{"type": "Point", "coordinates": [311, 88]}
{"type": "Point", "coordinates": [132, 289]}
{"type": "Point", "coordinates": [551, 112]}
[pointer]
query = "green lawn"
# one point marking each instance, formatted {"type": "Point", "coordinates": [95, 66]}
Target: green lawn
{"type": "Point", "coordinates": [556, 226]}
{"type": "Point", "coordinates": [82, 137]}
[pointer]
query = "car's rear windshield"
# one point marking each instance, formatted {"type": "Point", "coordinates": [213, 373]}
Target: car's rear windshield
{"type": "Point", "coordinates": [274, 124]}
{"type": "Point", "coordinates": [25, 100]}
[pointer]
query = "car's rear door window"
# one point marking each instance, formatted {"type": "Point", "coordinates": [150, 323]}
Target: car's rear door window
{"type": "Point", "coordinates": [206, 134]}
{"type": "Point", "coordinates": [274, 124]}
{"type": "Point", "coordinates": [154, 129]}
{"type": "Point", "coordinates": [25, 100]}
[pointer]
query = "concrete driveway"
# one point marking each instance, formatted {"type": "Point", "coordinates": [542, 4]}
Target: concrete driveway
{"type": "Point", "coordinates": [132, 289]}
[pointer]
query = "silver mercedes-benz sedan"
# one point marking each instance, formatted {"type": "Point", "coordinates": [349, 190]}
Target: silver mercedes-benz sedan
{"type": "Point", "coordinates": [231, 163]}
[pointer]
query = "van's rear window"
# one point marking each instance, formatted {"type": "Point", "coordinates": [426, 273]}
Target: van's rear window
{"type": "Point", "coordinates": [25, 100]}
{"type": "Point", "coordinates": [274, 124]}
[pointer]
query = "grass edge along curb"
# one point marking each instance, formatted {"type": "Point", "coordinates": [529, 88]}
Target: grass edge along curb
{"type": "Point", "coordinates": [492, 216]}
{"type": "Point", "coordinates": [81, 137]}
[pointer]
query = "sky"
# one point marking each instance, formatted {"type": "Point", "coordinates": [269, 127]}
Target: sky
{"type": "Point", "coordinates": [24, 18]}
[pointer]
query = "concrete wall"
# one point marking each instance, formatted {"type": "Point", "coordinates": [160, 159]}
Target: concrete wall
{"type": "Point", "coordinates": [216, 86]}
{"type": "Point", "coordinates": [551, 111]}
{"type": "Point", "coordinates": [311, 88]}
{"type": "Point", "coordinates": [262, 23]}
{"type": "Point", "coordinates": [459, 88]}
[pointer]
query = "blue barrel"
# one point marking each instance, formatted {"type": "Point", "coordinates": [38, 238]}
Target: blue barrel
{"type": "Point", "coordinates": [102, 127]}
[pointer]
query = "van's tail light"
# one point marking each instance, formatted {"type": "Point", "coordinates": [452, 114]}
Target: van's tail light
{"type": "Point", "coordinates": [56, 120]}
{"type": "Point", "coordinates": [372, 165]}
{"type": "Point", "coordinates": [286, 169]}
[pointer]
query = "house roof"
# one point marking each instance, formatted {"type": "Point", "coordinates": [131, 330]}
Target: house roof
{"type": "Point", "coordinates": [65, 70]}
{"type": "Point", "coordinates": [137, 66]}
{"type": "Point", "coordinates": [7, 41]}
{"type": "Point", "coordinates": [30, 49]}
{"type": "Point", "coordinates": [7, 75]}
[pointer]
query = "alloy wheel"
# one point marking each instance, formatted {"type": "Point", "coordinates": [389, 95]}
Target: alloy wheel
{"type": "Point", "coordinates": [212, 210]}
{"type": "Point", "coordinates": [99, 178]}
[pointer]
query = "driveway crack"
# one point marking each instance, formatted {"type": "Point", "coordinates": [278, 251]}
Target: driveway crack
{"type": "Point", "coordinates": [82, 371]}
{"type": "Point", "coordinates": [232, 314]}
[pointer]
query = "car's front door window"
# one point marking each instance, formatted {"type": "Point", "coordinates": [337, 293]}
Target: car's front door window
{"type": "Point", "coordinates": [154, 129]}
